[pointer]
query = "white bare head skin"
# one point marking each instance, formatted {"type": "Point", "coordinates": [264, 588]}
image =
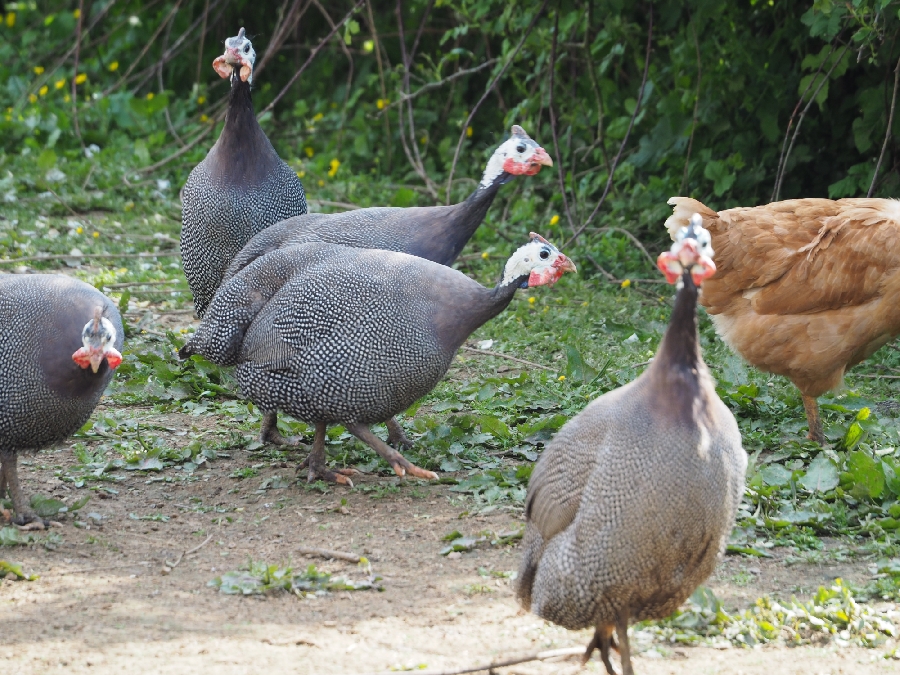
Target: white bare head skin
{"type": "Point", "coordinates": [238, 54]}
{"type": "Point", "coordinates": [540, 260]}
{"type": "Point", "coordinates": [98, 338]}
{"type": "Point", "coordinates": [519, 155]}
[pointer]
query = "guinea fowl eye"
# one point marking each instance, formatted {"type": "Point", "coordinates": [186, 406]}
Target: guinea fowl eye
{"type": "Point", "coordinates": [545, 254]}
{"type": "Point", "coordinates": [520, 149]}
{"type": "Point", "coordinates": [246, 48]}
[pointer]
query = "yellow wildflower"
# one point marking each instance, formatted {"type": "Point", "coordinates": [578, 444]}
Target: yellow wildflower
{"type": "Point", "coordinates": [585, 303]}
{"type": "Point", "coordinates": [81, 78]}
{"type": "Point", "coordinates": [368, 46]}
{"type": "Point", "coordinates": [79, 229]}
{"type": "Point", "coordinates": [863, 414]}
{"type": "Point", "coordinates": [38, 70]}
{"type": "Point", "coordinates": [562, 378]}
{"type": "Point", "coordinates": [381, 103]}
{"type": "Point", "coordinates": [309, 151]}
{"type": "Point", "coordinates": [32, 98]}
{"type": "Point", "coordinates": [77, 13]}
{"type": "Point", "coordinates": [423, 140]}
{"type": "Point", "coordinates": [554, 220]}
{"type": "Point", "coordinates": [114, 66]}
{"type": "Point", "coordinates": [484, 255]}
{"type": "Point", "coordinates": [469, 132]}
{"type": "Point", "coordinates": [96, 235]}
{"type": "Point", "coordinates": [201, 100]}
{"type": "Point", "coordinates": [204, 118]}
{"type": "Point", "coordinates": [301, 174]}
{"type": "Point", "coordinates": [317, 117]}
{"type": "Point", "coordinates": [67, 98]}
{"type": "Point", "coordinates": [11, 19]}
{"type": "Point", "coordinates": [43, 90]}
{"type": "Point", "coordinates": [626, 283]}
{"type": "Point", "coordinates": [335, 165]}
{"type": "Point", "coordinates": [150, 95]}
{"type": "Point", "coordinates": [59, 84]}
{"type": "Point", "coordinates": [532, 300]}
{"type": "Point", "coordinates": [321, 183]}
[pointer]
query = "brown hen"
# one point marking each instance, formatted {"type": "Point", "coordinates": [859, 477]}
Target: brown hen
{"type": "Point", "coordinates": [805, 288]}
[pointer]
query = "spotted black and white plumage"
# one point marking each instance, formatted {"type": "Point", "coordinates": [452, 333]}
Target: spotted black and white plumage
{"type": "Point", "coordinates": [436, 233]}
{"type": "Point", "coordinates": [631, 503]}
{"type": "Point", "coordinates": [238, 190]}
{"type": "Point", "coordinates": [334, 334]}
{"type": "Point", "coordinates": [44, 395]}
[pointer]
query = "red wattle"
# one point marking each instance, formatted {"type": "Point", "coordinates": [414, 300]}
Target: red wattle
{"type": "Point", "coordinates": [82, 358]}
{"type": "Point", "coordinates": [113, 358]}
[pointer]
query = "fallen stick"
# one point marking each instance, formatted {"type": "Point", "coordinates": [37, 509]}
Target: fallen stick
{"type": "Point", "coordinates": [490, 667]}
{"type": "Point", "coordinates": [184, 554]}
{"type": "Point", "coordinates": [325, 553]}
{"type": "Point", "coordinates": [877, 377]}
{"type": "Point", "coordinates": [142, 563]}
{"type": "Point", "coordinates": [507, 356]}
{"type": "Point", "coordinates": [69, 256]}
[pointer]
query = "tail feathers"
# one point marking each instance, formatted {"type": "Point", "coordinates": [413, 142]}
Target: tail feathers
{"type": "Point", "coordinates": [683, 209]}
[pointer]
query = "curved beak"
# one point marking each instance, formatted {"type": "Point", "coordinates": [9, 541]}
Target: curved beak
{"type": "Point", "coordinates": [564, 264]}
{"type": "Point", "coordinates": [540, 156]}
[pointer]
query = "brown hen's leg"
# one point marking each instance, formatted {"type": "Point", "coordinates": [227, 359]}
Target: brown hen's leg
{"type": "Point", "coordinates": [315, 462]}
{"type": "Point", "coordinates": [398, 462]}
{"type": "Point", "coordinates": [268, 431]}
{"type": "Point", "coordinates": [812, 417]}
{"type": "Point", "coordinates": [396, 436]}
{"type": "Point", "coordinates": [603, 641]}
{"type": "Point", "coordinates": [624, 648]}
{"type": "Point", "coordinates": [9, 462]}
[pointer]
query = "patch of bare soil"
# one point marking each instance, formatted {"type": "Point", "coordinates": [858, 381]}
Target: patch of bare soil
{"type": "Point", "coordinates": [105, 601]}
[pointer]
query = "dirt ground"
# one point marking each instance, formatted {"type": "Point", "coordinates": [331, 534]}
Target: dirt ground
{"type": "Point", "coordinates": [104, 601]}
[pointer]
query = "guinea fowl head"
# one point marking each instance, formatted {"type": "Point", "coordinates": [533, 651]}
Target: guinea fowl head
{"type": "Point", "coordinates": [238, 54]}
{"type": "Point", "coordinates": [536, 263]}
{"type": "Point", "coordinates": [97, 339]}
{"type": "Point", "coordinates": [517, 156]}
{"type": "Point", "coordinates": [692, 251]}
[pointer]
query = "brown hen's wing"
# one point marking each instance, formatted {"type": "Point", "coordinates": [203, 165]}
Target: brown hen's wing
{"type": "Point", "coordinates": [798, 256]}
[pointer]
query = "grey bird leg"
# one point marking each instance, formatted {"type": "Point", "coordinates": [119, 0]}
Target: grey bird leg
{"type": "Point", "coordinates": [602, 640]}
{"type": "Point", "coordinates": [624, 648]}
{"type": "Point", "coordinates": [398, 462]}
{"type": "Point", "coordinates": [9, 462]}
{"type": "Point", "coordinates": [396, 436]}
{"type": "Point", "coordinates": [268, 431]}
{"type": "Point", "coordinates": [812, 417]}
{"type": "Point", "coordinates": [315, 462]}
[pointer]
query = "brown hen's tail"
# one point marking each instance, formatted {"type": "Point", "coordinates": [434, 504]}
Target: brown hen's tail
{"type": "Point", "coordinates": [683, 209]}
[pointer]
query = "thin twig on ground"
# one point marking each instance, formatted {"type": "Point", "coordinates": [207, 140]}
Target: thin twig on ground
{"type": "Point", "coordinates": [487, 352]}
{"type": "Point", "coordinates": [184, 554]}
{"type": "Point", "coordinates": [328, 554]}
{"type": "Point", "coordinates": [69, 256]}
{"type": "Point", "coordinates": [341, 205]}
{"type": "Point", "coordinates": [87, 570]}
{"type": "Point", "coordinates": [631, 122]}
{"type": "Point", "coordinates": [635, 240]}
{"type": "Point", "coordinates": [493, 665]}
{"type": "Point", "coordinates": [876, 377]}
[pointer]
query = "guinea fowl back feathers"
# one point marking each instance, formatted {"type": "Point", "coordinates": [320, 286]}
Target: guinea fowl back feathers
{"type": "Point", "coordinates": [41, 322]}
{"type": "Point", "coordinates": [632, 501]}
{"type": "Point", "coordinates": [238, 190]}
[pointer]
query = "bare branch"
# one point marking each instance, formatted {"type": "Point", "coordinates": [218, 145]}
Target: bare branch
{"type": "Point", "coordinates": [312, 55]}
{"type": "Point", "coordinates": [487, 91]}
{"type": "Point", "coordinates": [687, 158]}
{"type": "Point", "coordinates": [440, 83]}
{"type": "Point", "coordinates": [634, 115]}
{"type": "Point", "coordinates": [551, 108]}
{"type": "Point", "coordinates": [887, 132]}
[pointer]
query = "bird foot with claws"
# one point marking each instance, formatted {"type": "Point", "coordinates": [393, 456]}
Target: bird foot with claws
{"type": "Point", "coordinates": [398, 462]}
{"type": "Point", "coordinates": [397, 438]}
{"type": "Point", "coordinates": [268, 432]}
{"type": "Point", "coordinates": [319, 471]}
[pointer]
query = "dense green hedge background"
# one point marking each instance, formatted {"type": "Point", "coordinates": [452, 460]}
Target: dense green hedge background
{"type": "Point", "coordinates": [732, 92]}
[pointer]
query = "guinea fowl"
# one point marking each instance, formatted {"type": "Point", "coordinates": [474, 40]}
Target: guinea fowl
{"type": "Point", "coordinates": [436, 233]}
{"type": "Point", "coordinates": [239, 189]}
{"type": "Point", "coordinates": [340, 335]}
{"type": "Point", "coordinates": [52, 384]}
{"type": "Point", "coordinates": [805, 288]}
{"type": "Point", "coordinates": [633, 500]}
